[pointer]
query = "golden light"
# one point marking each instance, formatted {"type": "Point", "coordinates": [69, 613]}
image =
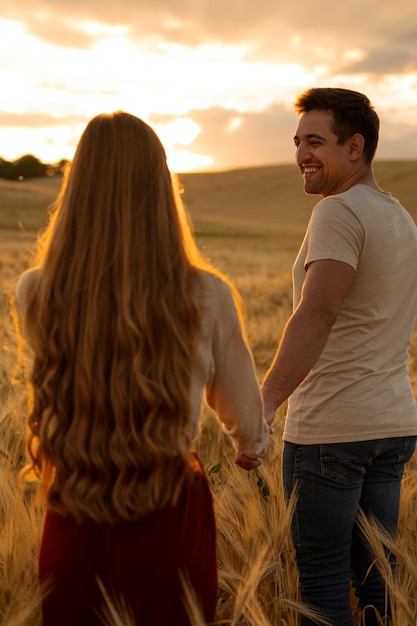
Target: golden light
{"type": "Point", "coordinates": [234, 124]}
{"type": "Point", "coordinates": [354, 54]}
{"type": "Point", "coordinates": [98, 29]}
{"type": "Point", "coordinates": [181, 132]}
{"type": "Point", "coordinates": [185, 161]}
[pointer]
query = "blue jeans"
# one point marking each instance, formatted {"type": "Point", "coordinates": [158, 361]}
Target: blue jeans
{"type": "Point", "coordinates": [331, 482]}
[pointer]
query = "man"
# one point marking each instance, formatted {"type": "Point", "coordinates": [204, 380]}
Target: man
{"type": "Point", "coordinates": [351, 422]}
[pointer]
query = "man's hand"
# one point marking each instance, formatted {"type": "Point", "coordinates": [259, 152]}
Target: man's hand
{"type": "Point", "coordinates": [245, 462]}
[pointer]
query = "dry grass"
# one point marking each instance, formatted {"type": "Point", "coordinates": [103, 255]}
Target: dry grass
{"type": "Point", "coordinates": [250, 224]}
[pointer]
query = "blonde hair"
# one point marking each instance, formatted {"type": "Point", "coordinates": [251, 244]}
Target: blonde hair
{"type": "Point", "coordinates": [112, 318]}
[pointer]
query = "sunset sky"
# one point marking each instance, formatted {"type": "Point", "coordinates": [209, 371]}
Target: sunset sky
{"type": "Point", "coordinates": [216, 79]}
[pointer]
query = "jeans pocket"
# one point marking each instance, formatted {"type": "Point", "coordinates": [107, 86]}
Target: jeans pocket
{"type": "Point", "coordinates": [408, 449]}
{"type": "Point", "coordinates": [405, 454]}
{"type": "Point", "coordinates": [338, 465]}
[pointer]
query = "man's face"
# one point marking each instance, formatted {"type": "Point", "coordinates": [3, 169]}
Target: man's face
{"type": "Point", "coordinates": [324, 163]}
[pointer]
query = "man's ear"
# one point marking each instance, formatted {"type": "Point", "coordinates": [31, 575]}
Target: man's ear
{"type": "Point", "coordinates": [356, 146]}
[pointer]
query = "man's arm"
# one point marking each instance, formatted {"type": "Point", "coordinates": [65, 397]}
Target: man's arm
{"type": "Point", "coordinates": [325, 287]}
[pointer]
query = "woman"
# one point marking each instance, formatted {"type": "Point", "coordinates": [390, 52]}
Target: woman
{"type": "Point", "coordinates": [128, 327]}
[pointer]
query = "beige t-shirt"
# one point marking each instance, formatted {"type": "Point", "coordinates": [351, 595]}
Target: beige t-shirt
{"type": "Point", "coordinates": [223, 371]}
{"type": "Point", "coordinates": [360, 389]}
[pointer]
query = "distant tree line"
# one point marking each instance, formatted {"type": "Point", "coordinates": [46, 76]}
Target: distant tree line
{"type": "Point", "coordinates": [28, 166]}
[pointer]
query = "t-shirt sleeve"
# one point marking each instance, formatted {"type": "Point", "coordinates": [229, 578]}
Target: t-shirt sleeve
{"type": "Point", "coordinates": [233, 391]}
{"type": "Point", "coordinates": [335, 232]}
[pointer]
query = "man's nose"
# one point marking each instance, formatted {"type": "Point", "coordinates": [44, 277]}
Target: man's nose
{"type": "Point", "coordinates": [302, 153]}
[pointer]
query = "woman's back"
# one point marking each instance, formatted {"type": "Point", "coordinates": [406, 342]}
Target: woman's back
{"type": "Point", "coordinates": [128, 327]}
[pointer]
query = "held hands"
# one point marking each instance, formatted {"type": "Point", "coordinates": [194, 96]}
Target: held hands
{"type": "Point", "coordinates": [245, 462]}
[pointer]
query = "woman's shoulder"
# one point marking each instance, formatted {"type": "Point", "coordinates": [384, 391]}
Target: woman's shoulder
{"type": "Point", "coordinates": [214, 286]}
{"type": "Point", "coordinates": [218, 301]}
{"type": "Point", "coordinates": [23, 287]}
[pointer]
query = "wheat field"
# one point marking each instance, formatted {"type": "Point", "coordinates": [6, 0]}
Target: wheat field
{"type": "Point", "coordinates": [249, 223]}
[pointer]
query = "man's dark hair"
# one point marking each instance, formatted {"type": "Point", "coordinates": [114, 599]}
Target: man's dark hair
{"type": "Point", "coordinates": [352, 113]}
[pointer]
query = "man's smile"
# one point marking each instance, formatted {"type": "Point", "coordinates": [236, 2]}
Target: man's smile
{"type": "Point", "coordinates": [307, 170]}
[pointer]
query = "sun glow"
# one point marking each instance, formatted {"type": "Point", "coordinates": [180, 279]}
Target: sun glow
{"type": "Point", "coordinates": [354, 54]}
{"type": "Point", "coordinates": [235, 124]}
{"type": "Point", "coordinates": [182, 132]}
{"type": "Point", "coordinates": [98, 29]}
{"type": "Point", "coordinates": [185, 161]}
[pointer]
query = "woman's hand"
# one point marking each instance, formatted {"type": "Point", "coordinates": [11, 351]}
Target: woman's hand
{"type": "Point", "coordinates": [245, 462]}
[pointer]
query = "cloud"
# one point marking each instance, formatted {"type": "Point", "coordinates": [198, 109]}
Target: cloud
{"type": "Point", "coordinates": [233, 68]}
{"type": "Point", "coordinates": [61, 33]}
{"type": "Point", "coordinates": [246, 139]}
{"type": "Point", "coordinates": [309, 33]}
{"type": "Point", "coordinates": [381, 60]}
{"type": "Point", "coordinates": [38, 120]}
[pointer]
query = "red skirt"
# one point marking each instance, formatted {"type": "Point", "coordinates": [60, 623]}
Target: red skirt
{"type": "Point", "coordinates": [138, 563]}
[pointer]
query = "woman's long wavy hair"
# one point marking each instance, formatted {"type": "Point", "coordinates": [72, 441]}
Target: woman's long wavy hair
{"type": "Point", "coordinates": [112, 317]}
